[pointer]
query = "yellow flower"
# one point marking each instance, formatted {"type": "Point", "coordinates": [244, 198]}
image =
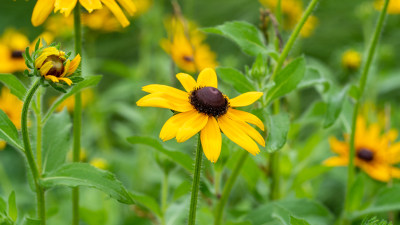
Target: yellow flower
{"type": "Point", "coordinates": [2, 145]}
{"type": "Point", "coordinates": [351, 60]}
{"type": "Point", "coordinates": [142, 6]}
{"type": "Point", "coordinates": [87, 96]}
{"type": "Point", "coordinates": [12, 106]}
{"type": "Point", "coordinates": [203, 108]}
{"type": "Point", "coordinates": [187, 48]}
{"type": "Point", "coordinates": [376, 153]}
{"type": "Point", "coordinates": [101, 20]}
{"type": "Point", "coordinates": [393, 8]}
{"type": "Point", "coordinates": [44, 7]}
{"type": "Point", "coordinates": [99, 163]}
{"type": "Point", "coordinates": [53, 65]}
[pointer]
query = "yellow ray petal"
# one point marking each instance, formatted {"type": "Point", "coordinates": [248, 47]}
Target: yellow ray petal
{"type": "Point", "coordinates": [377, 171]}
{"type": "Point", "coordinates": [207, 78]}
{"type": "Point", "coordinates": [45, 68]}
{"type": "Point", "coordinates": [41, 11]}
{"type": "Point", "coordinates": [253, 133]}
{"type": "Point", "coordinates": [171, 127]}
{"type": "Point", "coordinates": [187, 81]}
{"type": "Point", "coordinates": [114, 7]}
{"type": "Point", "coordinates": [245, 99]}
{"type": "Point", "coordinates": [191, 127]}
{"type": "Point", "coordinates": [128, 6]}
{"type": "Point", "coordinates": [176, 93]}
{"type": "Point", "coordinates": [393, 153]}
{"type": "Point", "coordinates": [211, 140]}
{"type": "Point", "coordinates": [43, 56]}
{"type": "Point", "coordinates": [247, 117]}
{"type": "Point", "coordinates": [237, 135]}
{"type": "Point", "coordinates": [65, 6]}
{"type": "Point", "coordinates": [74, 65]}
{"type": "Point", "coordinates": [52, 78]}
{"type": "Point", "coordinates": [66, 80]}
{"type": "Point", "coordinates": [157, 100]}
{"type": "Point", "coordinates": [339, 147]}
{"type": "Point", "coordinates": [336, 161]}
{"type": "Point", "coordinates": [91, 5]}
{"type": "Point", "coordinates": [66, 67]}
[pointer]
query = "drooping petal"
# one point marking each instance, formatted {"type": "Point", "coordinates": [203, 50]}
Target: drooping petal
{"type": "Point", "coordinates": [339, 147]}
{"type": "Point", "coordinates": [187, 81]}
{"type": "Point", "coordinates": [74, 65]}
{"type": "Point", "coordinates": [171, 127]}
{"type": "Point", "coordinates": [91, 5]}
{"type": "Point", "coordinates": [207, 78]}
{"type": "Point", "coordinates": [65, 6]}
{"type": "Point", "coordinates": [128, 6]}
{"type": "Point", "coordinates": [336, 161]}
{"type": "Point", "coordinates": [52, 78]}
{"type": "Point", "coordinates": [247, 117]}
{"type": "Point", "coordinates": [245, 99]}
{"type": "Point", "coordinates": [41, 11]}
{"type": "Point", "coordinates": [253, 133]}
{"type": "Point", "coordinates": [161, 101]}
{"type": "Point", "coordinates": [191, 127]}
{"type": "Point", "coordinates": [114, 7]}
{"type": "Point", "coordinates": [237, 135]}
{"type": "Point", "coordinates": [66, 67]}
{"type": "Point", "coordinates": [155, 88]}
{"type": "Point", "coordinates": [45, 68]}
{"type": "Point", "coordinates": [66, 80]}
{"type": "Point", "coordinates": [211, 139]}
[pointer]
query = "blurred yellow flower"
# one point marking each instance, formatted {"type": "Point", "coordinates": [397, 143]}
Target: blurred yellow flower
{"type": "Point", "coordinates": [142, 6]}
{"type": "Point", "coordinates": [376, 153]}
{"type": "Point", "coordinates": [351, 59]}
{"type": "Point", "coordinates": [203, 108]}
{"type": "Point", "coordinates": [44, 7]}
{"type": "Point", "coordinates": [2, 145]}
{"type": "Point", "coordinates": [99, 163]}
{"type": "Point", "coordinates": [308, 29]}
{"type": "Point", "coordinates": [69, 103]}
{"type": "Point", "coordinates": [393, 8]}
{"type": "Point", "coordinates": [53, 65]}
{"type": "Point", "coordinates": [12, 106]}
{"type": "Point", "coordinates": [186, 47]}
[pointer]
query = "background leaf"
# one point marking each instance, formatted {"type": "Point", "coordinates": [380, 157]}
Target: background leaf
{"type": "Point", "coordinates": [235, 78]}
{"type": "Point", "coordinates": [8, 132]}
{"type": "Point", "coordinates": [147, 201]}
{"type": "Point", "coordinates": [12, 207]}
{"type": "Point", "coordinates": [334, 107]}
{"type": "Point", "coordinates": [278, 128]}
{"type": "Point", "coordinates": [15, 86]}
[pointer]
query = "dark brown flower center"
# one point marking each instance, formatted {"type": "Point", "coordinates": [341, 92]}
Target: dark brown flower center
{"type": "Point", "coordinates": [209, 100]}
{"type": "Point", "coordinates": [365, 154]}
{"type": "Point", "coordinates": [16, 54]}
{"type": "Point", "coordinates": [58, 65]}
{"type": "Point", "coordinates": [188, 58]}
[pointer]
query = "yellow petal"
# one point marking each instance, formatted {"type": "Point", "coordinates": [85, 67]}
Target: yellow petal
{"type": "Point", "coordinates": [339, 147]}
{"type": "Point", "coordinates": [393, 153]}
{"type": "Point", "coordinates": [247, 117]}
{"type": "Point", "coordinates": [74, 64]}
{"type": "Point", "coordinates": [253, 133]}
{"type": "Point", "coordinates": [191, 127]}
{"type": "Point", "coordinates": [65, 6]}
{"type": "Point", "coordinates": [170, 128]}
{"type": "Point", "coordinates": [159, 100]}
{"type": "Point", "coordinates": [187, 81]}
{"type": "Point", "coordinates": [41, 11]}
{"type": "Point", "coordinates": [211, 139]}
{"type": "Point", "coordinates": [128, 6]}
{"type": "Point", "coordinates": [45, 68]}
{"type": "Point", "coordinates": [237, 135]}
{"type": "Point", "coordinates": [52, 78]}
{"type": "Point", "coordinates": [336, 161]}
{"type": "Point", "coordinates": [66, 68]}
{"type": "Point", "coordinates": [207, 78]}
{"type": "Point", "coordinates": [66, 80]}
{"type": "Point", "coordinates": [245, 99]}
{"type": "Point", "coordinates": [91, 5]}
{"type": "Point", "coordinates": [113, 6]}
{"type": "Point", "coordinates": [377, 171]}
{"type": "Point", "coordinates": [176, 93]}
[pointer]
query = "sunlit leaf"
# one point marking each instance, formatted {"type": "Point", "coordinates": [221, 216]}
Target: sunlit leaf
{"type": "Point", "coordinates": [15, 86]}
{"type": "Point", "coordinates": [235, 78]}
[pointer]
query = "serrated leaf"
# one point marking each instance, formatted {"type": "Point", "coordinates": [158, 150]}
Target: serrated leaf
{"type": "Point", "coordinates": [235, 78]}
{"type": "Point", "coordinates": [334, 106]}
{"type": "Point", "coordinates": [8, 132]}
{"type": "Point", "coordinates": [12, 207]}
{"type": "Point", "coordinates": [278, 128]}
{"type": "Point", "coordinates": [147, 201]}
{"type": "Point", "coordinates": [246, 35]}
{"type": "Point", "coordinates": [56, 141]}
{"type": "Point", "coordinates": [15, 86]}
{"type": "Point", "coordinates": [182, 159]}
{"type": "Point", "coordinates": [83, 174]}
{"type": "Point", "coordinates": [287, 79]}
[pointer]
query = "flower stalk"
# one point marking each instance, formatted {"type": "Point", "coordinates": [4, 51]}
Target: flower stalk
{"type": "Point", "coordinates": [195, 184]}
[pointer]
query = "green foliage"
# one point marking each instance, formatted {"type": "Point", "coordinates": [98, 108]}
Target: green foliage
{"type": "Point", "coordinates": [8, 132]}
{"type": "Point", "coordinates": [15, 86]}
{"type": "Point", "coordinates": [147, 201]}
{"type": "Point", "coordinates": [235, 78]}
{"type": "Point", "coordinates": [278, 128]}
{"type": "Point", "coordinates": [375, 221]}
{"type": "Point", "coordinates": [334, 107]}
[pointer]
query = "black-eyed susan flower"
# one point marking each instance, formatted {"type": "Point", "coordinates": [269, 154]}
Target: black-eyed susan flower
{"type": "Point", "coordinates": [186, 47]}
{"type": "Point", "coordinates": [12, 106]}
{"type": "Point", "coordinates": [376, 153]}
{"type": "Point", "coordinates": [203, 108]}
{"type": "Point", "coordinates": [393, 7]}
{"type": "Point", "coordinates": [351, 59]}
{"type": "Point", "coordinates": [53, 65]}
{"type": "Point", "coordinates": [44, 7]}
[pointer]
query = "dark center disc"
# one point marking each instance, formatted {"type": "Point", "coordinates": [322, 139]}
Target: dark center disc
{"type": "Point", "coordinates": [58, 65]}
{"type": "Point", "coordinates": [17, 54]}
{"type": "Point", "coordinates": [209, 100]}
{"type": "Point", "coordinates": [365, 154]}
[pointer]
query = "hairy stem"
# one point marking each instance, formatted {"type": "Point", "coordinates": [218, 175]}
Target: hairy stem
{"type": "Point", "coordinates": [196, 183]}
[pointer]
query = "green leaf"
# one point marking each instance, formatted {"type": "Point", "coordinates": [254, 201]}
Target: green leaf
{"type": "Point", "coordinates": [15, 86]}
{"type": "Point", "coordinates": [89, 81]}
{"type": "Point", "coordinates": [287, 79]}
{"type": "Point", "coordinates": [235, 78]}
{"type": "Point", "coordinates": [8, 132]}
{"type": "Point", "coordinates": [147, 201]}
{"type": "Point", "coordinates": [296, 221]}
{"type": "Point", "coordinates": [246, 35]}
{"type": "Point", "coordinates": [29, 221]}
{"type": "Point", "coordinates": [3, 206]}
{"type": "Point", "coordinates": [83, 174]}
{"type": "Point", "coordinates": [12, 207]}
{"type": "Point", "coordinates": [278, 128]}
{"type": "Point", "coordinates": [56, 140]}
{"type": "Point", "coordinates": [182, 159]}
{"type": "Point", "coordinates": [183, 189]}
{"type": "Point", "coordinates": [334, 106]}
{"type": "Point", "coordinates": [357, 192]}
{"type": "Point", "coordinates": [313, 77]}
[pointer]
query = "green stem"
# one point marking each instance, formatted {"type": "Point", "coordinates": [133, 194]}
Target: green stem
{"type": "Point", "coordinates": [29, 155]}
{"type": "Point", "coordinates": [273, 171]}
{"type": "Point", "coordinates": [228, 188]}
{"type": "Point", "coordinates": [77, 115]}
{"type": "Point", "coordinates": [39, 130]}
{"type": "Point", "coordinates": [293, 37]}
{"type": "Point", "coordinates": [363, 81]}
{"type": "Point", "coordinates": [164, 196]}
{"type": "Point", "coordinates": [196, 183]}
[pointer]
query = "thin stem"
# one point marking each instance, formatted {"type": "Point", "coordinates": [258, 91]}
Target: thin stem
{"type": "Point", "coordinates": [29, 155]}
{"type": "Point", "coordinates": [293, 37]}
{"type": "Point", "coordinates": [363, 81]}
{"type": "Point", "coordinates": [164, 196]}
{"type": "Point", "coordinates": [228, 188]}
{"type": "Point", "coordinates": [77, 115]}
{"type": "Point", "coordinates": [196, 184]}
{"type": "Point", "coordinates": [39, 130]}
